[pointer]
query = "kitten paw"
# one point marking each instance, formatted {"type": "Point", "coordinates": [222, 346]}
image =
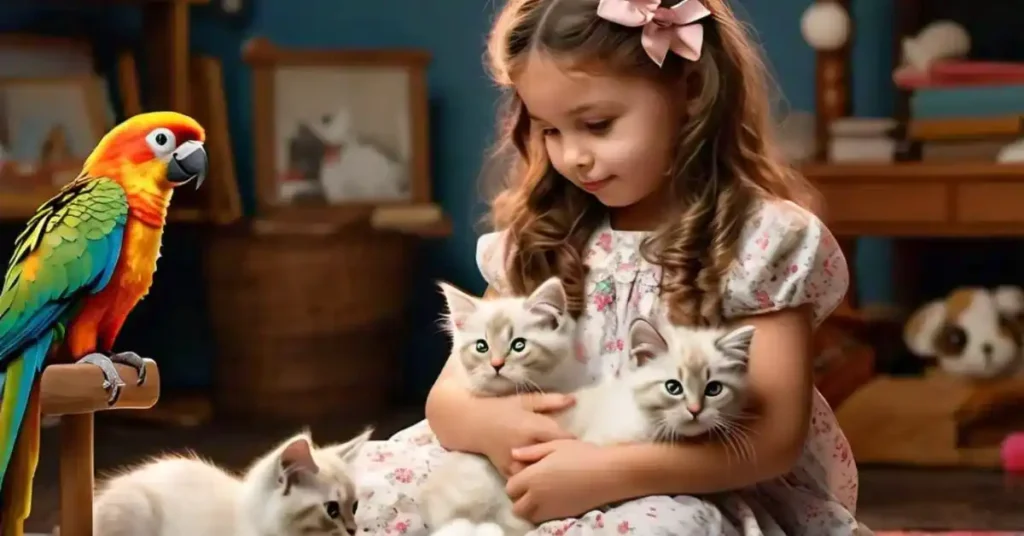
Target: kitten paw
{"type": "Point", "coordinates": [489, 529]}
{"type": "Point", "coordinates": [462, 527]}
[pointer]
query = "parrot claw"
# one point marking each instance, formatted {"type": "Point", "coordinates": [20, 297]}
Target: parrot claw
{"type": "Point", "coordinates": [111, 379]}
{"type": "Point", "coordinates": [134, 361]}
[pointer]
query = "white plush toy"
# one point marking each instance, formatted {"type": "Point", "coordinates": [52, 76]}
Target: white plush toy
{"type": "Point", "coordinates": [973, 332]}
{"type": "Point", "coordinates": [940, 40]}
{"type": "Point", "coordinates": [1012, 152]}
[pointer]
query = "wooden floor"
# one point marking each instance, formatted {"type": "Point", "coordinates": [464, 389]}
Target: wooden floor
{"type": "Point", "coordinates": [890, 498]}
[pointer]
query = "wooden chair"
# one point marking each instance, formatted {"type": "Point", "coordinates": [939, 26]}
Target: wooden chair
{"type": "Point", "coordinates": [75, 392]}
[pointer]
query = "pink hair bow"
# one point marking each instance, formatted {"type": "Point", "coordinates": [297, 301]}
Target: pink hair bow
{"type": "Point", "coordinates": [664, 29]}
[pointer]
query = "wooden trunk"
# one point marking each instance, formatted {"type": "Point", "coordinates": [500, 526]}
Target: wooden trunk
{"type": "Point", "coordinates": [308, 324]}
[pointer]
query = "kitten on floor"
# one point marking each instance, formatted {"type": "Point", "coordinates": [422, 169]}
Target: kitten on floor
{"type": "Point", "coordinates": [686, 383]}
{"type": "Point", "coordinates": [295, 489]}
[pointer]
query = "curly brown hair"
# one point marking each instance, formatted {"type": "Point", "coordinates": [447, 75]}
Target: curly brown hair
{"type": "Point", "coordinates": [725, 161]}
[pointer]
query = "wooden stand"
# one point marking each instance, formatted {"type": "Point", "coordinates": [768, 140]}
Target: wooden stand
{"type": "Point", "coordinates": [75, 392]}
{"type": "Point", "coordinates": [937, 420]}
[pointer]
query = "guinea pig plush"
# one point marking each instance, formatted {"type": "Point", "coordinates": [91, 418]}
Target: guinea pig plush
{"type": "Point", "coordinates": [967, 333]}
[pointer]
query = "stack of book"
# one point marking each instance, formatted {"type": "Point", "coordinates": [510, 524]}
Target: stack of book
{"type": "Point", "coordinates": [862, 139]}
{"type": "Point", "coordinates": [964, 110]}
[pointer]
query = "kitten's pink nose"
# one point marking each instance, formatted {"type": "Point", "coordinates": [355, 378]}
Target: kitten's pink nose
{"type": "Point", "coordinates": [694, 409]}
{"type": "Point", "coordinates": [497, 363]}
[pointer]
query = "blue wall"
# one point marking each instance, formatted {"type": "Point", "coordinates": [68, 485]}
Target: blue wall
{"type": "Point", "coordinates": [462, 109]}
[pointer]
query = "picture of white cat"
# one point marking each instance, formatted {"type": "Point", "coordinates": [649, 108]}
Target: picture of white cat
{"type": "Point", "coordinates": [343, 134]}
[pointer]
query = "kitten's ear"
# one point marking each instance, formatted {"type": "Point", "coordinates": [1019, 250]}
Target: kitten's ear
{"type": "Point", "coordinates": [348, 450]}
{"type": "Point", "coordinates": [644, 341]}
{"type": "Point", "coordinates": [549, 298]}
{"type": "Point", "coordinates": [460, 304]}
{"type": "Point", "coordinates": [295, 461]}
{"type": "Point", "coordinates": [736, 343]}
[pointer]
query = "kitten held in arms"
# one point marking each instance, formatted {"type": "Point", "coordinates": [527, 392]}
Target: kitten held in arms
{"type": "Point", "coordinates": [505, 346]}
{"type": "Point", "coordinates": [685, 383]}
{"type": "Point", "coordinates": [691, 382]}
{"type": "Point", "coordinates": [515, 345]}
{"type": "Point", "coordinates": [296, 489]}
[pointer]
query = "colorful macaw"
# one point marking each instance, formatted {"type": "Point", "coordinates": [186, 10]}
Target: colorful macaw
{"type": "Point", "coordinates": [83, 262]}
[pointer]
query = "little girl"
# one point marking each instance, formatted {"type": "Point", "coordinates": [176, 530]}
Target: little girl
{"type": "Point", "coordinates": [646, 178]}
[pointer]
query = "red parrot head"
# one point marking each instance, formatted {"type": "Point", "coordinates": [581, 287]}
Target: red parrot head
{"type": "Point", "coordinates": [152, 152]}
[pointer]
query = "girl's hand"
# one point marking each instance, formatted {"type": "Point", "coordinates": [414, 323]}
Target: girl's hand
{"type": "Point", "coordinates": [563, 479]}
{"type": "Point", "coordinates": [519, 421]}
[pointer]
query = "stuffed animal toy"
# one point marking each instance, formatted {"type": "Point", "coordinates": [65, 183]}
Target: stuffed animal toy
{"type": "Point", "coordinates": [972, 332]}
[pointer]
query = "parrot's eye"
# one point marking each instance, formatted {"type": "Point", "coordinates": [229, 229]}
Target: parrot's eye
{"type": "Point", "coordinates": [161, 141]}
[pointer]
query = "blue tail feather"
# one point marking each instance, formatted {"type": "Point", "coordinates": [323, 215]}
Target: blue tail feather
{"type": "Point", "coordinates": [28, 367]}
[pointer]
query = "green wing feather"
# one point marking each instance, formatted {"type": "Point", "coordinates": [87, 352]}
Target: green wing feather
{"type": "Point", "coordinates": [77, 238]}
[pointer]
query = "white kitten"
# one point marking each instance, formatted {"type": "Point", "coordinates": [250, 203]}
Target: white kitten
{"type": "Point", "coordinates": [296, 489]}
{"type": "Point", "coordinates": [518, 344]}
{"type": "Point", "coordinates": [685, 383]}
{"type": "Point", "coordinates": [690, 382]}
{"type": "Point", "coordinates": [505, 345]}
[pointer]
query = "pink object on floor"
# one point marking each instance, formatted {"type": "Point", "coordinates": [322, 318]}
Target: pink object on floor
{"type": "Point", "coordinates": [1013, 453]}
{"type": "Point", "coordinates": [949, 533]}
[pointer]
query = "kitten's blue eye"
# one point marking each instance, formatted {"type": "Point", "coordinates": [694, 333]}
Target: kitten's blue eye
{"type": "Point", "coordinates": [518, 344]}
{"type": "Point", "coordinates": [481, 346]}
{"type": "Point", "coordinates": [673, 387]}
{"type": "Point", "coordinates": [333, 509]}
{"type": "Point", "coordinates": [713, 389]}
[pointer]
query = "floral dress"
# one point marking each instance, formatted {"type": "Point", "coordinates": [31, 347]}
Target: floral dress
{"type": "Point", "coordinates": [787, 258]}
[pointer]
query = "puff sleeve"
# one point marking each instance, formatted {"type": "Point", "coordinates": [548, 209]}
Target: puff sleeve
{"type": "Point", "coordinates": [490, 259]}
{"type": "Point", "coordinates": [787, 258]}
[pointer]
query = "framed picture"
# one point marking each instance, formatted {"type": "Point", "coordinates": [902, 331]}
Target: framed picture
{"type": "Point", "coordinates": [338, 129]}
{"type": "Point", "coordinates": [48, 126]}
{"type": "Point", "coordinates": [36, 56]}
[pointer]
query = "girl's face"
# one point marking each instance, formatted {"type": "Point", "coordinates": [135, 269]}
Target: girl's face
{"type": "Point", "coordinates": [609, 135]}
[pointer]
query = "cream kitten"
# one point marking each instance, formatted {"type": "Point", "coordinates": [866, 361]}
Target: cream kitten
{"type": "Point", "coordinates": [515, 345]}
{"type": "Point", "coordinates": [684, 384]}
{"type": "Point", "coordinates": [689, 382]}
{"type": "Point", "coordinates": [505, 345]}
{"type": "Point", "coordinates": [296, 489]}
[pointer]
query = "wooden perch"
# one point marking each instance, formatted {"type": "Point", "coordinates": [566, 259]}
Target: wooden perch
{"type": "Point", "coordinates": [76, 392]}
{"type": "Point", "coordinates": [75, 389]}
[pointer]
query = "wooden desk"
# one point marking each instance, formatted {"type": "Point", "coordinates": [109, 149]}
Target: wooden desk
{"type": "Point", "coordinates": [916, 199]}
{"type": "Point", "coordinates": [921, 199]}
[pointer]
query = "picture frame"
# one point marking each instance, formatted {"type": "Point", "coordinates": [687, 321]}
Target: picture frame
{"type": "Point", "coordinates": [48, 126]}
{"type": "Point", "coordinates": [338, 132]}
{"type": "Point", "coordinates": [221, 202]}
{"type": "Point", "coordinates": [24, 55]}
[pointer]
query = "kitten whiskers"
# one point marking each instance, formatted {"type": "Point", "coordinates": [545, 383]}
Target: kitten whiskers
{"type": "Point", "coordinates": [736, 438]}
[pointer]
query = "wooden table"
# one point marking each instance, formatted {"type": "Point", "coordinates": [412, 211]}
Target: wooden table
{"type": "Point", "coordinates": [919, 199]}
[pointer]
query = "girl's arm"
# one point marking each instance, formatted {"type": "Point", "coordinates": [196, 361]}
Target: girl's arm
{"type": "Point", "coordinates": [781, 383]}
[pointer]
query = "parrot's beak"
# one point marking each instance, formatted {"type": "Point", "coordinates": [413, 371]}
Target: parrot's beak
{"type": "Point", "coordinates": [188, 162]}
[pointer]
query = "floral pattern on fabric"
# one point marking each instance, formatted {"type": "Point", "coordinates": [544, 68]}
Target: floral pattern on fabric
{"type": "Point", "coordinates": [787, 258]}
